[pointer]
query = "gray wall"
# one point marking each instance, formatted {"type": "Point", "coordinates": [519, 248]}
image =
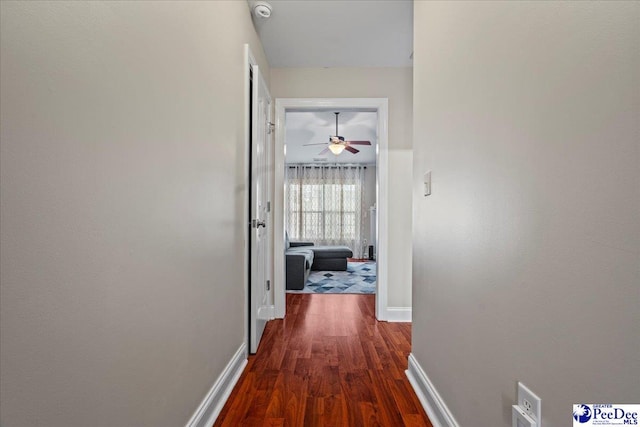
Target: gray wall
{"type": "Point", "coordinates": [122, 164]}
{"type": "Point", "coordinates": [526, 256]}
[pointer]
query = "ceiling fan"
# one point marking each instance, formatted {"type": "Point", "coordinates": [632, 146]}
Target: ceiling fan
{"type": "Point", "coordinates": [337, 143]}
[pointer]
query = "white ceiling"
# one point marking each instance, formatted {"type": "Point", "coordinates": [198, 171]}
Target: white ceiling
{"type": "Point", "coordinates": [337, 33]}
{"type": "Point", "coordinates": [316, 127]}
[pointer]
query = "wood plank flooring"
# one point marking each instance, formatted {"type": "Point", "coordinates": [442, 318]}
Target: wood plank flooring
{"type": "Point", "coordinates": [329, 363]}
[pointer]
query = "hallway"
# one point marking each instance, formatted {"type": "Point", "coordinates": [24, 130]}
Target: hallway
{"type": "Point", "coordinates": [329, 363]}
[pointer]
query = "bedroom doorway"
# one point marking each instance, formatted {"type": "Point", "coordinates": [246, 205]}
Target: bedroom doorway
{"type": "Point", "coordinates": [332, 200]}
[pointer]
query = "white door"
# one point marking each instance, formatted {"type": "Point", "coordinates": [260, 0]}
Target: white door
{"type": "Point", "coordinates": [260, 255]}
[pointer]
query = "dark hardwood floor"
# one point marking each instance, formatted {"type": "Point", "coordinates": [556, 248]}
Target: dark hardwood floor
{"type": "Point", "coordinates": [329, 363]}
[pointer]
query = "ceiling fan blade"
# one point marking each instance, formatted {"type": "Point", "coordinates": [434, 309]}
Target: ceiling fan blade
{"type": "Point", "coordinates": [325, 151]}
{"type": "Point", "coordinates": [351, 149]}
{"type": "Point", "coordinates": [317, 143]}
{"type": "Point", "coordinates": [359, 142]}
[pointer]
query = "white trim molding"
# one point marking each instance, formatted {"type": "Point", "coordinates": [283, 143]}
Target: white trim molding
{"type": "Point", "coordinates": [398, 314]}
{"type": "Point", "coordinates": [212, 404]}
{"type": "Point", "coordinates": [432, 402]}
{"type": "Point", "coordinates": [379, 105]}
{"type": "Point", "coordinates": [249, 61]}
{"type": "Point", "coordinates": [266, 312]}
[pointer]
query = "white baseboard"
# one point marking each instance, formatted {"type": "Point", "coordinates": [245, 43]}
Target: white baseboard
{"type": "Point", "coordinates": [267, 312]}
{"type": "Point", "coordinates": [432, 403]}
{"type": "Point", "coordinates": [398, 314]}
{"type": "Point", "coordinates": [213, 402]}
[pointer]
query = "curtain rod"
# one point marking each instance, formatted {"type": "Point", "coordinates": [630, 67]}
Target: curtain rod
{"type": "Point", "coordinates": [331, 165]}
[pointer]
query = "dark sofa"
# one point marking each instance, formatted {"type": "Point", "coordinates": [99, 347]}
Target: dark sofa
{"type": "Point", "coordinates": [302, 257]}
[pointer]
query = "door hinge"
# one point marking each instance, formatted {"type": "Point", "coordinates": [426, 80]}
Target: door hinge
{"type": "Point", "coordinates": [268, 285]}
{"type": "Point", "coordinates": [268, 206]}
{"type": "Point", "coordinates": [271, 127]}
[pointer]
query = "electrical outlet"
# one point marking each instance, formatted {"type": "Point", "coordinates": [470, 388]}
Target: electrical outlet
{"type": "Point", "coordinates": [530, 403]}
{"type": "Point", "coordinates": [520, 418]}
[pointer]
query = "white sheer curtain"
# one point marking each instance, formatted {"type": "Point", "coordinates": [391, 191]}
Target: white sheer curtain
{"type": "Point", "coordinates": [324, 205]}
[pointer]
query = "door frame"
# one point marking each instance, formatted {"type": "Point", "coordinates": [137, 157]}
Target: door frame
{"type": "Point", "coordinates": [379, 105]}
{"type": "Point", "coordinates": [249, 62]}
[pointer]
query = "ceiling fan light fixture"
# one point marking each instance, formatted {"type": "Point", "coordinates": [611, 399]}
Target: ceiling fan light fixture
{"type": "Point", "coordinates": [336, 148]}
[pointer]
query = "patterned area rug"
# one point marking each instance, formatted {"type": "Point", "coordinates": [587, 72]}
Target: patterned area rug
{"type": "Point", "coordinates": [360, 278]}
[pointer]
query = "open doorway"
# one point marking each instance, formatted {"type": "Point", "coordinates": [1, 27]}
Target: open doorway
{"type": "Point", "coordinates": [355, 221]}
{"type": "Point", "coordinates": [330, 201]}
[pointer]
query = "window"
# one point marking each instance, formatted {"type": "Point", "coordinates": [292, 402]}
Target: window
{"type": "Point", "coordinates": [324, 204]}
{"type": "Point", "coordinates": [323, 211]}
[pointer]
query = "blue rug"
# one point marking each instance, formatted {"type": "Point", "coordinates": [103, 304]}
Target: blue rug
{"type": "Point", "coordinates": [360, 278]}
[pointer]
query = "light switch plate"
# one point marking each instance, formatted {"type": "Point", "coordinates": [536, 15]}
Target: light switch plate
{"type": "Point", "coordinates": [427, 183]}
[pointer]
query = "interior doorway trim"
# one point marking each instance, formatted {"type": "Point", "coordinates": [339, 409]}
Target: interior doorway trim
{"type": "Point", "coordinates": [249, 62]}
{"type": "Point", "coordinates": [379, 105]}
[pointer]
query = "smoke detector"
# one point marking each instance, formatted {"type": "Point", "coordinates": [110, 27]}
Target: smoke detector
{"type": "Point", "coordinates": [262, 9]}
